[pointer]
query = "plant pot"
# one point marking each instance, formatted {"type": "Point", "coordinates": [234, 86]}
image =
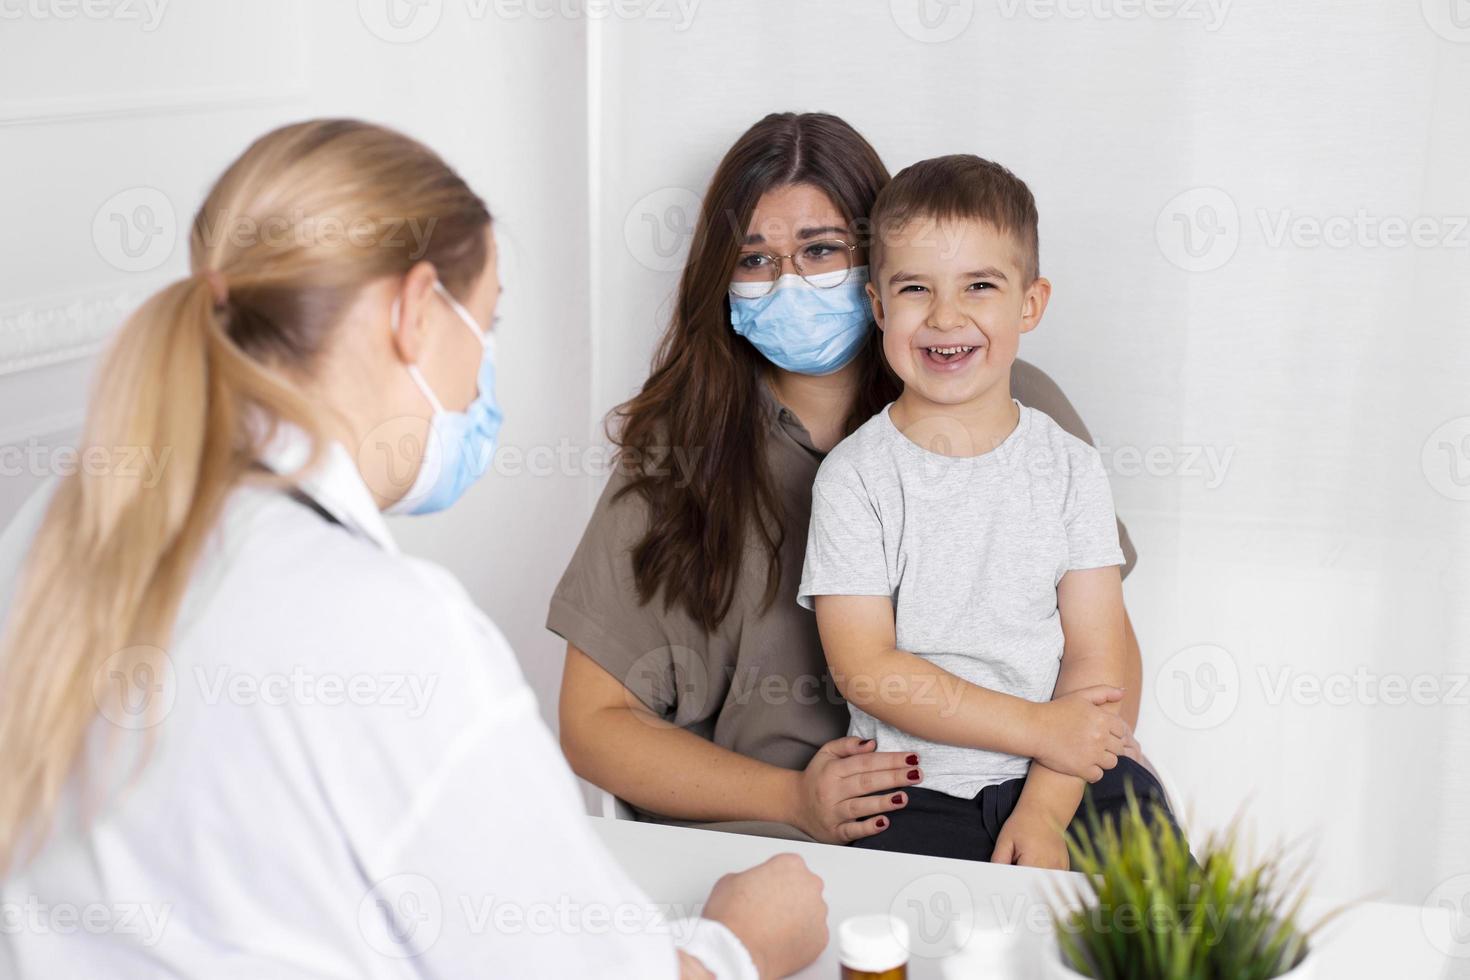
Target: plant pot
{"type": "Point", "coordinates": [1054, 969]}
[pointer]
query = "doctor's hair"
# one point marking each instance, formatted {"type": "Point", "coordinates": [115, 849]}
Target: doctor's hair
{"type": "Point", "coordinates": [704, 390]}
{"type": "Point", "coordinates": [201, 374]}
{"type": "Point", "coordinates": [959, 187]}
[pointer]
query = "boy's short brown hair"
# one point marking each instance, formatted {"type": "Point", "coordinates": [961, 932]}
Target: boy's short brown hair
{"type": "Point", "coordinates": [961, 187]}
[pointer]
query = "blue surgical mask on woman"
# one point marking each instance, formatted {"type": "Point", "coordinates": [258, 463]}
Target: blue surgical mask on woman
{"type": "Point", "coordinates": [805, 326]}
{"type": "Point", "coordinates": [460, 444]}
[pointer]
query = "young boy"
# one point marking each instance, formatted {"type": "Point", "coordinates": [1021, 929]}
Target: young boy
{"type": "Point", "coordinates": [963, 556]}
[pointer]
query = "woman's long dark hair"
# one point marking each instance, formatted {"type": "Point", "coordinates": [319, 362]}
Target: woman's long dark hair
{"type": "Point", "coordinates": [703, 391]}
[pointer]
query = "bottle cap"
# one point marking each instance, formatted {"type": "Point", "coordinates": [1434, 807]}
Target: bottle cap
{"type": "Point", "coordinates": [873, 943]}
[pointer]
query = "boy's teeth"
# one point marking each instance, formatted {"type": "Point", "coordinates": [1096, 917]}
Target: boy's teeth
{"type": "Point", "coordinates": [950, 350]}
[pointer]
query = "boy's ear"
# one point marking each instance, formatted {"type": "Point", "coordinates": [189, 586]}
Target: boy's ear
{"type": "Point", "coordinates": [877, 302]}
{"type": "Point", "coordinates": [1038, 294]}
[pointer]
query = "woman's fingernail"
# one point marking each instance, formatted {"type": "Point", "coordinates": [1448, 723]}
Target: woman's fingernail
{"type": "Point", "coordinates": [912, 760]}
{"type": "Point", "coordinates": [898, 798]}
{"type": "Point", "coordinates": [914, 774]}
{"type": "Point", "coordinates": [882, 823]}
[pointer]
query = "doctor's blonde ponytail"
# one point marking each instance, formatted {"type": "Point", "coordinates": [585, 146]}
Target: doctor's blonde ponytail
{"type": "Point", "coordinates": [185, 379]}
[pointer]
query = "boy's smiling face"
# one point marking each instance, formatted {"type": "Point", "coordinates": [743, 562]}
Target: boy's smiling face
{"type": "Point", "coordinates": [952, 299]}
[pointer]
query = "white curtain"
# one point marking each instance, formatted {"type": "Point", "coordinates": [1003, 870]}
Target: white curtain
{"type": "Point", "coordinates": [1254, 214]}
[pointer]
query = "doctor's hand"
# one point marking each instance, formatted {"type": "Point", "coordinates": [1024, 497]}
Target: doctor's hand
{"type": "Point", "coordinates": [1077, 735]}
{"type": "Point", "coordinates": [831, 800]}
{"type": "Point", "coordinates": [776, 909]}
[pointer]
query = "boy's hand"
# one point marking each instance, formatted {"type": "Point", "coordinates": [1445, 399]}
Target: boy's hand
{"type": "Point", "coordinates": [1077, 736]}
{"type": "Point", "coordinates": [1030, 838]}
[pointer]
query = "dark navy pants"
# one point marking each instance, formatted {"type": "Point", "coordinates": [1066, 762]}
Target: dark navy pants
{"type": "Point", "coordinates": [950, 826]}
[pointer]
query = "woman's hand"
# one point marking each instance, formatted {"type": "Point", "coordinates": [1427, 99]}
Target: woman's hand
{"type": "Point", "coordinates": [831, 797]}
{"type": "Point", "coordinates": [1076, 735]}
{"type": "Point", "coordinates": [776, 909]}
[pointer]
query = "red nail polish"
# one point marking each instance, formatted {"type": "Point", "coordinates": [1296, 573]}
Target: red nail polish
{"type": "Point", "coordinates": [912, 760]}
{"type": "Point", "coordinates": [882, 823]}
{"type": "Point", "coordinates": [913, 774]}
{"type": "Point", "coordinates": [898, 798]}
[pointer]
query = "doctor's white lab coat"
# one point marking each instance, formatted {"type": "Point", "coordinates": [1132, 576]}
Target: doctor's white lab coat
{"type": "Point", "coordinates": [348, 778]}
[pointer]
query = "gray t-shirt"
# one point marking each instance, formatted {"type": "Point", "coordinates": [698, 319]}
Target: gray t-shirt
{"type": "Point", "coordinates": [970, 549]}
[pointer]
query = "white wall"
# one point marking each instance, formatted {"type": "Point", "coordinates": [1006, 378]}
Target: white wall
{"type": "Point", "coordinates": [1315, 374]}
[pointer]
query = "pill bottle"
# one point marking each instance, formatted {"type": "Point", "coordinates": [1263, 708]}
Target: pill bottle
{"type": "Point", "coordinates": [873, 947]}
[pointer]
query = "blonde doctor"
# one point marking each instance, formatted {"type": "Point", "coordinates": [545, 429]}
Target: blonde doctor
{"type": "Point", "coordinates": [245, 736]}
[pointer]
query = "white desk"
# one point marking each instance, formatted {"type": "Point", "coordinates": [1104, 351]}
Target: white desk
{"type": "Point", "coordinates": [677, 866]}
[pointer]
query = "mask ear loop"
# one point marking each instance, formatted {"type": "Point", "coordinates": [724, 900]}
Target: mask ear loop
{"type": "Point", "coordinates": [413, 369]}
{"type": "Point", "coordinates": [468, 318]}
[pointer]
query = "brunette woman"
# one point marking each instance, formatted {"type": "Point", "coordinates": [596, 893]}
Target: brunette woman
{"type": "Point", "coordinates": [695, 687]}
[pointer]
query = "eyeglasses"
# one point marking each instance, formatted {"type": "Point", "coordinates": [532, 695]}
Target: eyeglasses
{"type": "Point", "coordinates": [823, 258]}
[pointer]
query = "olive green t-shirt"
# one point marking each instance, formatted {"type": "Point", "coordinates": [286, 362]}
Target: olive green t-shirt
{"type": "Point", "coordinates": [758, 684]}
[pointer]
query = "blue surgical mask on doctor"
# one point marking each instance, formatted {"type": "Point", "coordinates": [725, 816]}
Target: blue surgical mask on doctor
{"type": "Point", "coordinates": [460, 444]}
{"type": "Point", "coordinates": [814, 325]}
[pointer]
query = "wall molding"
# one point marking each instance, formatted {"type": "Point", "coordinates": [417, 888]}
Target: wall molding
{"type": "Point", "coordinates": [34, 335]}
{"type": "Point", "coordinates": [294, 88]}
{"type": "Point", "coordinates": [90, 108]}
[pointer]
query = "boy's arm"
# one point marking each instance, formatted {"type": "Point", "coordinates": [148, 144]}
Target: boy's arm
{"type": "Point", "coordinates": [913, 695]}
{"type": "Point", "coordinates": [1095, 651]}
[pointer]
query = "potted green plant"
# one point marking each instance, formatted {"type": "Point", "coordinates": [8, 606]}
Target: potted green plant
{"type": "Point", "coordinates": [1147, 910]}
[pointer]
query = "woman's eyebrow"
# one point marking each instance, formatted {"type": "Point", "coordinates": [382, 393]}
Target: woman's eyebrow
{"type": "Point", "coordinates": [756, 238]}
